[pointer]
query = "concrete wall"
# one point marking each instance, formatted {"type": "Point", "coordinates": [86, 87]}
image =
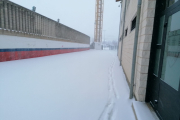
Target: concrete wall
{"type": "Point", "coordinates": [16, 42]}
{"type": "Point", "coordinates": [15, 47]}
{"type": "Point", "coordinates": [144, 44]}
{"type": "Point", "coordinates": [27, 34]}
{"type": "Point", "coordinates": [19, 21]}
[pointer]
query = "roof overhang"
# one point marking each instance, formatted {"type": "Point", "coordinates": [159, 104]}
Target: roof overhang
{"type": "Point", "coordinates": [118, 0]}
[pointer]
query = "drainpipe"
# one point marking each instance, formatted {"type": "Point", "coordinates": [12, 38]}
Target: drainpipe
{"type": "Point", "coordinates": [135, 48]}
{"type": "Point", "coordinates": [119, 29]}
{"type": "Point", "coordinates": [123, 32]}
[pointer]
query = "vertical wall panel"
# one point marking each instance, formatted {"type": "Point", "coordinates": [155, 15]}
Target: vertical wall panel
{"type": "Point", "coordinates": [10, 16]}
{"type": "Point", "coordinates": [29, 24]}
{"type": "Point", "coordinates": [38, 24]}
{"type": "Point", "coordinates": [47, 27]}
{"type": "Point", "coordinates": [2, 15]}
{"type": "Point", "coordinates": [40, 18]}
{"type": "Point", "coordinates": [32, 27]}
{"type": "Point", "coordinates": [24, 22]}
{"type": "Point", "coordinates": [34, 23]}
{"type": "Point", "coordinates": [32, 18]}
{"type": "Point", "coordinates": [22, 15]}
{"type": "Point", "coordinates": [6, 15]}
{"type": "Point", "coordinates": [17, 18]}
{"type": "Point", "coordinates": [43, 25]}
{"type": "Point", "coordinates": [30, 21]}
{"type": "Point", "coordinates": [51, 28]}
{"type": "Point", "coordinates": [13, 18]}
{"type": "Point", "coordinates": [20, 20]}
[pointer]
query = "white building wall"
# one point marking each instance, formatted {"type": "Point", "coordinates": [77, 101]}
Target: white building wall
{"type": "Point", "coordinates": [144, 44]}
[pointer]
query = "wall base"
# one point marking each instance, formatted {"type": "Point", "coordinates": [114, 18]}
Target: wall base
{"type": "Point", "coordinates": [17, 54]}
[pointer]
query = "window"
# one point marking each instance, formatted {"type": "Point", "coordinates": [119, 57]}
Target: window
{"type": "Point", "coordinates": [171, 62]}
{"type": "Point", "coordinates": [171, 2]}
{"type": "Point", "coordinates": [126, 32]}
{"type": "Point", "coordinates": [133, 24]}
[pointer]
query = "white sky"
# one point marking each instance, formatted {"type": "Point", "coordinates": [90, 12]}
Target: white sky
{"type": "Point", "coordinates": [78, 14]}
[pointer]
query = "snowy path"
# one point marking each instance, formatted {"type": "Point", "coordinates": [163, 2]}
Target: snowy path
{"type": "Point", "coordinates": [87, 85]}
{"type": "Point", "coordinates": [117, 108]}
{"type": "Point", "coordinates": [108, 111]}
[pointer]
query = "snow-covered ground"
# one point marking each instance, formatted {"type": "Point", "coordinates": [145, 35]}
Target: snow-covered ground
{"type": "Point", "coordinates": [88, 85]}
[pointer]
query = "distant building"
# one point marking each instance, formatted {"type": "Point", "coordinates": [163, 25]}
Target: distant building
{"type": "Point", "coordinates": [157, 60]}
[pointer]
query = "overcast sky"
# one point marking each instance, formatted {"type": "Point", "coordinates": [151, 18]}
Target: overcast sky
{"type": "Point", "coordinates": [78, 14]}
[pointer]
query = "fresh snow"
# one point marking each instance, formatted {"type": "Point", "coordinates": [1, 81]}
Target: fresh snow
{"type": "Point", "coordinates": [143, 112]}
{"type": "Point", "coordinates": [88, 85]}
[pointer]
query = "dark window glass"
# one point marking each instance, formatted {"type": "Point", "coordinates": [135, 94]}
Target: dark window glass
{"type": "Point", "coordinates": [133, 24]}
{"type": "Point", "coordinates": [171, 62]}
{"type": "Point", "coordinates": [163, 4]}
{"type": "Point", "coordinates": [126, 32]}
{"type": "Point", "coordinates": [171, 2]}
{"type": "Point", "coordinates": [166, 3]}
{"type": "Point", "coordinates": [161, 28]}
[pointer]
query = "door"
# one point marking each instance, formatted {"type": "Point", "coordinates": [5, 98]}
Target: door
{"type": "Point", "coordinates": [163, 91]}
